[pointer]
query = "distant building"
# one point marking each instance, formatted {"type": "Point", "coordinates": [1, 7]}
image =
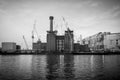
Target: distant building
{"type": "Point", "coordinates": [95, 42]}
{"type": "Point", "coordinates": [76, 47]}
{"type": "Point", "coordinates": [18, 47]}
{"type": "Point", "coordinates": [8, 47]}
{"type": "Point", "coordinates": [37, 46]}
{"type": "Point", "coordinates": [112, 42]}
{"type": "Point", "coordinates": [103, 41]}
{"type": "Point", "coordinates": [43, 46]}
{"type": "Point", "coordinates": [81, 48]}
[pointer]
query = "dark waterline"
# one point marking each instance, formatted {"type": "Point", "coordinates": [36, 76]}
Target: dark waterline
{"type": "Point", "coordinates": [59, 67]}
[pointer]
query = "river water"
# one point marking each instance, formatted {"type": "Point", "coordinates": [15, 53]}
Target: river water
{"type": "Point", "coordinates": [59, 67]}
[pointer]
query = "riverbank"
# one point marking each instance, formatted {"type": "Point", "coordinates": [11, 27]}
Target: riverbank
{"type": "Point", "coordinates": [62, 53]}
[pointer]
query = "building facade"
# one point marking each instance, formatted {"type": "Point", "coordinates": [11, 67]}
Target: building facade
{"type": "Point", "coordinates": [43, 46]}
{"type": "Point", "coordinates": [60, 43]}
{"type": "Point", "coordinates": [95, 42]}
{"type": "Point", "coordinates": [37, 46]}
{"type": "Point", "coordinates": [112, 42]}
{"type": "Point", "coordinates": [103, 41]}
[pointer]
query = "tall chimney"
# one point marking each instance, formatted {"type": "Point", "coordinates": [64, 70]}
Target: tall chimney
{"type": "Point", "coordinates": [51, 23]}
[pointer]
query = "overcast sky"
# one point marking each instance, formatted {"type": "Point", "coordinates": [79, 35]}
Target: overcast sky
{"type": "Point", "coordinates": [85, 17]}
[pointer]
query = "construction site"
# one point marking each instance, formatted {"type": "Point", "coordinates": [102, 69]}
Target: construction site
{"type": "Point", "coordinates": [101, 42]}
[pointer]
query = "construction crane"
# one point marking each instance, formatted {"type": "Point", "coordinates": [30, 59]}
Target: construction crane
{"type": "Point", "coordinates": [25, 42]}
{"type": "Point", "coordinates": [32, 36]}
{"type": "Point", "coordinates": [71, 40]}
{"type": "Point", "coordinates": [34, 30]}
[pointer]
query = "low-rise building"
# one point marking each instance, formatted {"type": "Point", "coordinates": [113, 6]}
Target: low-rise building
{"type": "Point", "coordinates": [43, 46]}
{"type": "Point", "coordinates": [103, 41]}
{"type": "Point", "coordinates": [76, 47]}
{"type": "Point", "coordinates": [18, 47]}
{"type": "Point", "coordinates": [112, 42]}
{"type": "Point", "coordinates": [8, 47]}
{"type": "Point", "coordinates": [81, 48]}
{"type": "Point", "coordinates": [95, 42]}
{"type": "Point", "coordinates": [37, 46]}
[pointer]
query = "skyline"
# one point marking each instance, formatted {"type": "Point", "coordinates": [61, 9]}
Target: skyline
{"type": "Point", "coordinates": [84, 17]}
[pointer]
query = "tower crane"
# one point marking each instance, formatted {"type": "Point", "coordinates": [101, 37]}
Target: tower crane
{"type": "Point", "coordinates": [35, 31]}
{"type": "Point", "coordinates": [25, 42]}
{"type": "Point", "coordinates": [71, 40]}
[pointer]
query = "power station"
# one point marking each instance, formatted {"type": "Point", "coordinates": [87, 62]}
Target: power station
{"type": "Point", "coordinates": [59, 43]}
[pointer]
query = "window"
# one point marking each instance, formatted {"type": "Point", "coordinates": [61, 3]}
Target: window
{"type": "Point", "coordinates": [116, 42]}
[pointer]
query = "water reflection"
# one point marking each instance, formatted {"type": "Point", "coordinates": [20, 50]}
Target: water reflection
{"type": "Point", "coordinates": [97, 67]}
{"type": "Point", "coordinates": [24, 68]}
{"type": "Point", "coordinates": [68, 67]}
{"type": "Point", "coordinates": [38, 67]}
{"type": "Point", "coordinates": [15, 67]}
{"type": "Point", "coordinates": [7, 68]}
{"type": "Point", "coordinates": [53, 67]}
{"type": "Point", "coordinates": [59, 67]}
{"type": "Point", "coordinates": [82, 67]}
{"type": "Point", "coordinates": [112, 67]}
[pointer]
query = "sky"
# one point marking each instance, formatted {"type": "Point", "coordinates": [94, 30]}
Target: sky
{"type": "Point", "coordinates": [84, 17]}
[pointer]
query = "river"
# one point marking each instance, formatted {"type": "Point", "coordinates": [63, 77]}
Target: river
{"type": "Point", "coordinates": [59, 67]}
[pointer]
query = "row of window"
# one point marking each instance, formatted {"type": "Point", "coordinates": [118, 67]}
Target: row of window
{"type": "Point", "coordinates": [60, 44]}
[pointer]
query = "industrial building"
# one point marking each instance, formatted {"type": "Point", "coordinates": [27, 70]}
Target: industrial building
{"type": "Point", "coordinates": [55, 43]}
{"type": "Point", "coordinates": [8, 46]}
{"type": "Point", "coordinates": [37, 46]}
{"type": "Point", "coordinates": [103, 41]}
{"type": "Point", "coordinates": [18, 47]}
{"type": "Point", "coordinates": [59, 42]}
{"type": "Point", "coordinates": [43, 46]}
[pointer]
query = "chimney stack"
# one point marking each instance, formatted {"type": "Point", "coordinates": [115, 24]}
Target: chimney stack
{"type": "Point", "coordinates": [51, 23]}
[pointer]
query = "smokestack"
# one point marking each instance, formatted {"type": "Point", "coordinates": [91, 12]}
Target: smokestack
{"type": "Point", "coordinates": [51, 23]}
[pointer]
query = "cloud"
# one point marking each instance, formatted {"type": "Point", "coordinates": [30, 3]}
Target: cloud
{"type": "Point", "coordinates": [110, 15]}
{"type": "Point", "coordinates": [2, 12]}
